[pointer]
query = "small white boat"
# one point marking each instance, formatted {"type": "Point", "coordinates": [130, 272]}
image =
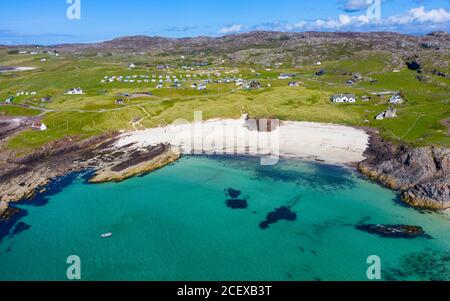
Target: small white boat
{"type": "Point", "coordinates": [106, 235]}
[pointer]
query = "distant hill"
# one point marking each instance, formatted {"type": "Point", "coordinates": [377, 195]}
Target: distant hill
{"type": "Point", "coordinates": [269, 47]}
{"type": "Point", "coordinates": [266, 39]}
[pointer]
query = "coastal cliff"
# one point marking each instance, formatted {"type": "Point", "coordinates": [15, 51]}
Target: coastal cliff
{"type": "Point", "coordinates": [421, 174]}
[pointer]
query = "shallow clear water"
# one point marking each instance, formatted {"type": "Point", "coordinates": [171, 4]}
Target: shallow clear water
{"type": "Point", "coordinates": [174, 224]}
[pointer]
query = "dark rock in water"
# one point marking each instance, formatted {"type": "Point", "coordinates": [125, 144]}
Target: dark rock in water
{"type": "Point", "coordinates": [393, 231]}
{"type": "Point", "coordinates": [283, 213]}
{"type": "Point", "coordinates": [9, 219]}
{"type": "Point", "coordinates": [20, 227]}
{"type": "Point", "coordinates": [9, 213]}
{"type": "Point", "coordinates": [232, 193]}
{"type": "Point", "coordinates": [237, 204]}
{"type": "Point", "coordinates": [234, 202]}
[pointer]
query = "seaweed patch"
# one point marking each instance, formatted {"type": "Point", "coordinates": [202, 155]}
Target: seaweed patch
{"type": "Point", "coordinates": [282, 213]}
{"type": "Point", "coordinates": [237, 204]}
{"type": "Point", "coordinates": [232, 193]}
{"type": "Point", "coordinates": [19, 228]}
{"type": "Point", "coordinates": [233, 202]}
{"type": "Point", "coordinates": [325, 177]}
{"type": "Point", "coordinates": [428, 265]}
{"type": "Point", "coordinates": [9, 220]}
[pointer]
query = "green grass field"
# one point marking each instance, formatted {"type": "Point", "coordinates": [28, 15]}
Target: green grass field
{"type": "Point", "coordinates": [80, 116]}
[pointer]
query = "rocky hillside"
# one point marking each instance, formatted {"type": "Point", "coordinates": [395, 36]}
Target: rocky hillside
{"type": "Point", "coordinates": [268, 47]}
{"type": "Point", "coordinates": [272, 40]}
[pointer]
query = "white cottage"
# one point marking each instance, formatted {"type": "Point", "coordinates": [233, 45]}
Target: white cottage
{"type": "Point", "coordinates": [75, 91]}
{"type": "Point", "coordinates": [396, 99]}
{"type": "Point", "coordinates": [341, 98]}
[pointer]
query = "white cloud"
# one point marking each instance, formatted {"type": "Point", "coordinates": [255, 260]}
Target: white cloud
{"type": "Point", "coordinates": [356, 5]}
{"type": "Point", "coordinates": [420, 15]}
{"type": "Point", "coordinates": [415, 17]}
{"type": "Point", "coordinates": [342, 21]}
{"type": "Point", "coordinates": [231, 29]}
{"type": "Point", "coordinates": [414, 20]}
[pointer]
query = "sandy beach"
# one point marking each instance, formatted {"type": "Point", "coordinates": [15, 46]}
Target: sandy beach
{"type": "Point", "coordinates": [334, 144]}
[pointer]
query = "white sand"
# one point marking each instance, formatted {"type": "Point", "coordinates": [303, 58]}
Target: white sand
{"type": "Point", "coordinates": [331, 143]}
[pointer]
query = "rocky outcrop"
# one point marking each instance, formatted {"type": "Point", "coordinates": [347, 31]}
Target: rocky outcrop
{"type": "Point", "coordinates": [393, 231]}
{"type": "Point", "coordinates": [3, 207]}
{"type": "Point", "coordinates": [22, 177]}
{"type": "Point", "coordinates": [8, 213]}
{"type": "Point", "coordinates": [421, 174]}
{"type": "Point", "coordinates": [138, 163]}
{"type": "Point", "coordinates": [431, 195]}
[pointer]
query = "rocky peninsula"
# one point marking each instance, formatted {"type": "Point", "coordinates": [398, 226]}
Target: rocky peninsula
{"type": "Point", "coordinates": [138, 162]}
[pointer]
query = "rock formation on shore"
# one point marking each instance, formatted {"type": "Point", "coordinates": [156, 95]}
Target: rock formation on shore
{"type": "Point", "coordinates": [138, 162]}
{"type": "Point", "coordinates": [22, 177]}
{"type": "Point", "coordinates": [421, 174]}
{"type": "Point", "coordinates": [394, 231]}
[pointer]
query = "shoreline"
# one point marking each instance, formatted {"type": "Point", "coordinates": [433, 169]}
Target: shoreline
{"type": "Point", "coordinates": [115, 157]}
{"type": "Point", "coordinates": [329, 143]}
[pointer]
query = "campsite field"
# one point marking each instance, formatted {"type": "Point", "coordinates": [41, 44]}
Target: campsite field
{"type": "Point", "coordinates": [418, 122]}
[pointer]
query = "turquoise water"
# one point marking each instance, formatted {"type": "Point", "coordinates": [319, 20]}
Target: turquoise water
{"type": "Point", "coordinates": [173, 224]}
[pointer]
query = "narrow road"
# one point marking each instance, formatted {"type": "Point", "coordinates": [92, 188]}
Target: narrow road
{"type": "Point", "coordinates": [134, 124]}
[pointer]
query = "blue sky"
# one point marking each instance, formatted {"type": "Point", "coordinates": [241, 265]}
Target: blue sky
{"type": "Point", "coordinates": [45, 21]}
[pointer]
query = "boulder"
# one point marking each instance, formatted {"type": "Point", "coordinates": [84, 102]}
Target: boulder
{"type": "Point", "coordinates": [429, 195]}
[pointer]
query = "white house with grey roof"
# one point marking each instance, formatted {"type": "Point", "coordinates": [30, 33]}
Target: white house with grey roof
{"type": "Point", "coordinates": [343, 98]}
{"type": "Point", "coordinates": [396, 99]}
